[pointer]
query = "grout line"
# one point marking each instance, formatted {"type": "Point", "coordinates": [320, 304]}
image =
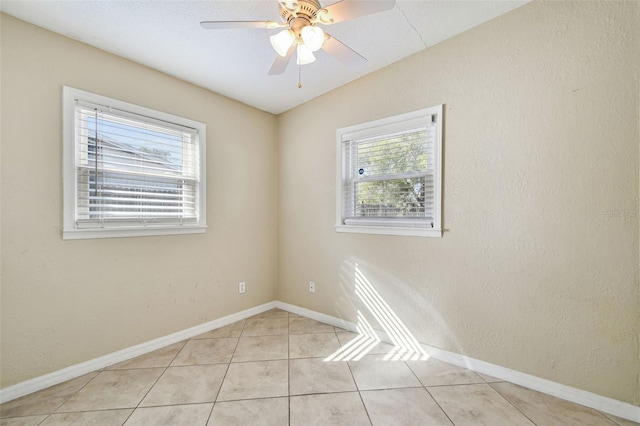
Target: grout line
{"type": "Point", "coordinates": [289, 395]}
{"type": "Point", "coordinates": [365, 407]}
{"type": "Point", "coordinates": [146, 406]}
{"type": "Point", "coordinates": [71, 396]}
{"type": "Point", "coordinates": [356, 384]}
{"type": "Point", "coordinates": [331, 393]}
{"type": "Point", "coordinates": [439, 406]}
{"type": "Point", "coordinates": [456, 384]}
{"type": "Point", "coordinates": [231, 359]}
{"type": "Point", "coordinates": [179, 404]}
{"type": "Point", "coordinates": [212, 407]}
{"type": "Point", "coordinates": [156, 381]}
{"type": "Point", "coordinates": [215, 400]}
{"type": "Point", "coordinates": [429, 393]}
{"type": "Point", "coordinates": [416, 376]}
{"type": "Point", "coordinates": [615, 422]}
{"type": "Point", "coordinates": [253, 398]}
{"type": "Point", "coordinates": [334, 392]}
{"type": "Point", "coordinates": [47, 416]}
{"type": "Point", "coordinates": [511, 403]}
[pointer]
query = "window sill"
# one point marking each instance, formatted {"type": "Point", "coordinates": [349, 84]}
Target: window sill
{"type": "Point", "coordinates": [82, 234]}
{"type": "Point", "coordinates": [390, 230]}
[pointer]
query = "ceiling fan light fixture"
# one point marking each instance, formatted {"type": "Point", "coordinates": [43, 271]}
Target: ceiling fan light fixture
{"type": "Point", "coordinates": [282, 42]}
{"type": "Point", "coordinates": [313, 37]}
{"type": "Point", "coordinates": [305, 55]}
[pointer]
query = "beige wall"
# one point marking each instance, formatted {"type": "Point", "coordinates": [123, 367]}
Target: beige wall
{"type": "Point", "coordinates": [541, 145]}
{"type": "Point", "coordinates": [534, 272]}
{"type": "Point", "coordinates": [64, 302]}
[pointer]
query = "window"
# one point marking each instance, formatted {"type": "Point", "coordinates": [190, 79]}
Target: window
{"type": "Point", "coordinates": [390, 174]}
{"type": "Point", "coordinates": [130, 171]}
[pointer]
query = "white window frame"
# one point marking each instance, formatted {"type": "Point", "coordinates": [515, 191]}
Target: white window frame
{"type": "Point", "coordinates": [70, 231]}
{"type": "Point", "coordinates": [398, 123]}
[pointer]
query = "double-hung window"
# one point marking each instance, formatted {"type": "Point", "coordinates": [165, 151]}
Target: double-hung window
{"type": "Point", "coordinates": [129, 170]}
{"type": "Point", "coordinates": [390, 175]}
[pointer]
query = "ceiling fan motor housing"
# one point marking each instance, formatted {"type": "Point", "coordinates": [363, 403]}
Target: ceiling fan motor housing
{"type": "Point", "coordinates": [305, 11]}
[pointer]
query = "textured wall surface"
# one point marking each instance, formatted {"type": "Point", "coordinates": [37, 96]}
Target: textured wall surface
{"type": "Point", "coordinates": [538, 267]}
{"type": "Point", "coordinates": [64, 302]}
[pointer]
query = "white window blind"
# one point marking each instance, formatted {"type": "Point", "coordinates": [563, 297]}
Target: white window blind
{"type": "Point", "coordinates": [390, 172]}
{"type": "Point", "coordinates": [132, 170]}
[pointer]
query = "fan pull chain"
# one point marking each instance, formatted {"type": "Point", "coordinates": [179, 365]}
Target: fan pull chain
{"type": "Point", "coordinates": [299, 76]}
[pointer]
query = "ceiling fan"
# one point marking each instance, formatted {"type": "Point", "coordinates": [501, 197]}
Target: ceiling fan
{"type": "Point", "coordinates": [302, 33]}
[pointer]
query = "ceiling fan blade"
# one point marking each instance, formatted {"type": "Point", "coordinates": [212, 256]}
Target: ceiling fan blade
{"type": "Point", "coordinates": [225, 25]}
{"type": "Point", "coordinates": [343, 53]}
{"type": "Point", "coordinates": [351, 9]}
{"type": "Point", "coordinates": [280, 63]}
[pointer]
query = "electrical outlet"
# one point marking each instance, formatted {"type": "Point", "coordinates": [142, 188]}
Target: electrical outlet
{"type": "Point", "coordinates": [312, 287]}
{"type": "Point", "coordinates": [241, 287]}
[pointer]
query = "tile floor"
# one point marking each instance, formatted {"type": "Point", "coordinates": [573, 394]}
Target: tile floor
{"type": "Point", "coordinates": [279, 368]}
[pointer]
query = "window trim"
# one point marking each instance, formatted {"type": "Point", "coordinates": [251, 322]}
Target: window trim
{"type": "Point", "coordinates": [402, 227]}
{"type": "Point", "coordinates": [69, 229]}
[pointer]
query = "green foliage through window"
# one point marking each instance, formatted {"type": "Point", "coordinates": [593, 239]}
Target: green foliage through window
{"type": "Point", "coordinates": [391, 176]}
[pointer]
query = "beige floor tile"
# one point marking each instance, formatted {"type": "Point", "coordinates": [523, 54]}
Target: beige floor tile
{"type": "Point", "coordinates": [358, 344]}
{"type": "Point", "coordinates": [372, 372]}
{"type": "Point", "coordinates": [400, 407]}
{"type": "Point", "coordinates": [334, 409]}
{"type": "Point", "coordinates": [546, 409]}
{"type": "Point", "coordinates": [89, 418]}
{"type": "Point", "coordinates": [231, 330]}
{"type": "Point", "coordinates": [302, 325]}
{"type": "Point", "coordinates": [312, 345]}
{"type": "Point", "coordinates": [250, 380]}
{"type": "Point", "coordinates": [272, 313]}
{"type": "Point", "coordinates": [174, 415]}
{"type": "Point", "coordinates": [477, 405]}
{"type": "Point", "coordinates": [45, 401]}
{"type": "Point", "coordinates": [261, 348]}
{"type": "Point", "coordinates": [23, 421]}
{"type": "Point", "coordinates": [433, 372]}
{"type": "Point", "coordinates": [244, 368]}
{"type": "Point", "coordinates": [160, 358]}
{"type": "Point", "coordinates": [314, 375]}
{"type": "Point", "coordinates": [186, 385]}
{"type": "Point", "coordinates": [489, 379]}
{"type": "Point", "coordinates": [254, 412]}
{"type": "Point", "coordinates": [266, 327]}
{"type": "Point", "coordinates": [206, 351]}
{"type": "Point", "coordinates": [113, 389]}
{"type": "Point", "coordinates": [620, 421]}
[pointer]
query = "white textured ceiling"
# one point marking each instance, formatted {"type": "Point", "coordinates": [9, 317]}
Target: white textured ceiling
{"type": "Point", "coordinates": [166, 35]}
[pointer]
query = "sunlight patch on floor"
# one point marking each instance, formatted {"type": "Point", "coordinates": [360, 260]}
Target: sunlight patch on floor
{"type": "Point", "coordinates": [406, 347]}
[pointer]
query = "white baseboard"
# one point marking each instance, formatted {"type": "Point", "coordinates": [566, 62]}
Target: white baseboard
{"type": "Point", "coordinates": [568, 393]}
{"type": "Point", "coordinates": [588, 399]}
{"type": "Point", "coordinates": [59, 376]}
{"type": "Point", "coordinates": [327, 319]}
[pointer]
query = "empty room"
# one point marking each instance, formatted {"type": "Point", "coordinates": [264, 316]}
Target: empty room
{"type": "Point", "coordinates": [303, 212]}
